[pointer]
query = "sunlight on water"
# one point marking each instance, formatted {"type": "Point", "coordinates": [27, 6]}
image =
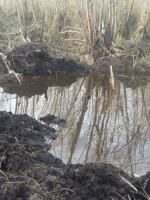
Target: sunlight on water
{"type": "Point", "coordinates": [103, 125]}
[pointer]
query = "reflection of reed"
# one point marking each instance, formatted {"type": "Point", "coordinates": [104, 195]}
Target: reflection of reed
{"type": "Point", "coordinates": [91, 133]}
{"type": "Point", "coordinates": [146, 108]}
{"type": "Point", "coordinates": [86, 98]}
{"type": "Point", "coordinates": [75, 98]}
{"type": "Point", "coordinates": [103, 125]}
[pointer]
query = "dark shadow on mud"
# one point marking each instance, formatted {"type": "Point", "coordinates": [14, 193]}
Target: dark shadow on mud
{"type": "Point", "coordinates": [29, 172]}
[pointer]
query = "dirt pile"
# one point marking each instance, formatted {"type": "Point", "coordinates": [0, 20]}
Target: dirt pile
{"type": "Point", "coordinates": [132, 60]}
{"type": "Point", "coordinates": [35, 59]}
{"type": "Point", "coordinates": [29, 172]}
{"type": "Point", "coordinates": [39, 59]}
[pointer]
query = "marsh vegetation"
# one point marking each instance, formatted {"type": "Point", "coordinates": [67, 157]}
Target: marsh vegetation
{"type": "Point", "coordinates": [85, 25]}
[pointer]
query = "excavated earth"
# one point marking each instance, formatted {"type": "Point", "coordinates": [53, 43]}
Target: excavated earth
{"type": "Point", "coordinates": [42, 59]}
{"type": "Point", "coordinates": [29, 172]}
{"type": "Point", "coordinates": [38, 59]}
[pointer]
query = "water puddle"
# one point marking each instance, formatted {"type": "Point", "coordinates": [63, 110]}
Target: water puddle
{"type": "Point", "coordinates": [102, 124]}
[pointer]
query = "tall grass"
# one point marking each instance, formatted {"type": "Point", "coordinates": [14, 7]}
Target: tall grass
{"type": "Point", "coordinates": [75, 23]}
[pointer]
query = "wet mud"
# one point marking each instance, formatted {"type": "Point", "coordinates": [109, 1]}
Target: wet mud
{"type": "Point", "coordinates": [130, 60]}
{"type": "Point", "coordinates": [38, 59]}
{"type": "Point", "coordinates": [28, 171]}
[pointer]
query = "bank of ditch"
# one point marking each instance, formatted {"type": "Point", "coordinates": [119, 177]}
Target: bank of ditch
{"type": "Point", "coordinates": [29, 172]}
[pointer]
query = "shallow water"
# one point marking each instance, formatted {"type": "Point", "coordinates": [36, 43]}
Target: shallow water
{"type": "Point", "coordinates": [103, 124]}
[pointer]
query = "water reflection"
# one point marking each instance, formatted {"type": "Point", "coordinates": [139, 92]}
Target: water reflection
{"type": "Point", "coordinates": [103, 125]}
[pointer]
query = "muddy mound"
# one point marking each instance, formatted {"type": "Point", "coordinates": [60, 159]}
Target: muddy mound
{"type": "Point", "coordinates": [29, 172]}
{"type": "Point", "coordinates": [35, 59]}
{"type": "Point", "coordinates": [10, 123]}
{"type": "Point", "coordinates": [120, 64]}
{"type": "Point", "coordinates": [132, 60]}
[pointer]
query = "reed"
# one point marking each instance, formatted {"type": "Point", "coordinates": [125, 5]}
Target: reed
{"type": "Point", "coordinates": [74, 23]}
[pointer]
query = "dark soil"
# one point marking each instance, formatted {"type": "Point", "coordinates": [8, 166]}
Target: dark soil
{"type": "Point", "coordinates": [127, 61]}
{"type": "Point", "coordinates": [119, 64]}
{"type": "Point", "coordinates": [38, 59]}
{"type": "Point", "coordinates": [29, 172]}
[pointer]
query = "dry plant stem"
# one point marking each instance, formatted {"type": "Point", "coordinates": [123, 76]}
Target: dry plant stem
{"type": "Point", "coordinates": [112, 81]}
{"type": "Point", "coordinates": [16, 76]}
{"type": "Point", "coordinates": [4, 175]}
{"type": "Point", "coordinates": [87, 40]}
{"type": "Point", "coordinates": [33, 11]}
{"type": "Point", "coordinates": [89, 22]}
{"type": "Point", "coordinates": [62, 189]}
{"type": "Point", "coordinates": [42, 27]}
{"type": "Point", "coordinates": [16, 182]}
{"type": "Point", "coordinates": [43, 192]}
{"type": "Point", "coordinates": [122, 198]}
{"type": "Point", "coordinates": [22, 27]}
{"type": "Point", "coordinates": [55, 6]}
{"type": "Point", "coordinates": [130, 184]}
{"type": "Point", "coordinates": [6, 62]}
{"type": "Point", "coordinates": [148, 63]}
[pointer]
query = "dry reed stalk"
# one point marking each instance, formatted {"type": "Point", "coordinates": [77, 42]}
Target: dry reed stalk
{"type": "Point", "coordinates": [112, 81]}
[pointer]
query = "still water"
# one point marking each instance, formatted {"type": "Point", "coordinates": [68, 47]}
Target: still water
{"type": "Point", "coordinates": [103, 124]}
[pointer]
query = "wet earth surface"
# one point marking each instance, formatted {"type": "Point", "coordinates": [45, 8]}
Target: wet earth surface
{"type": "Point", "coordinates": [28, 171]}
{"type": "Point", "coordinates": [38, 59]}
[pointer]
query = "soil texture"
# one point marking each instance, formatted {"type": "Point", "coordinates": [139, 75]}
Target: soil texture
{"type": "Point", "coordinates": [29, 172]}
{"type": "Point", "coordinates": [38, 59]}
{"type": "Point", "coordinates": [129, 61]}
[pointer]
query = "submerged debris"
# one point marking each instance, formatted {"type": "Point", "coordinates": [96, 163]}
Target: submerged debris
{"type": "Point", "coordinates": [53, 119]}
